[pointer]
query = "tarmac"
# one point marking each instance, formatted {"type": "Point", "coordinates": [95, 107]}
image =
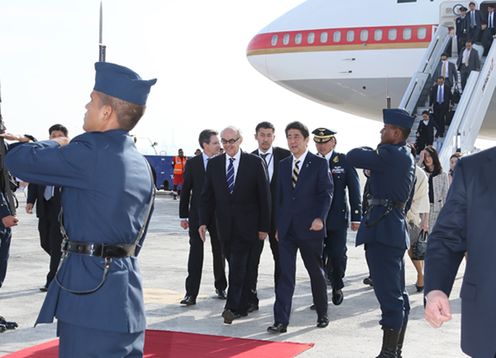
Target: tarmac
{"type": "Point", "coordinates": [353, 330]}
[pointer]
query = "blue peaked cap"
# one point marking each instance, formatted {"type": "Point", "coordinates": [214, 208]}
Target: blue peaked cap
{"type": "Point", "coordinates": [121, 82]}
{"type": "Point", "coordinates": [398, 117]}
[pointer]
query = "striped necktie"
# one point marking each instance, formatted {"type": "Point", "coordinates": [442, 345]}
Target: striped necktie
{"type": "Point", "coordinates": [296, 173]}
{"type": "Point", "coordinates": [230, 176]}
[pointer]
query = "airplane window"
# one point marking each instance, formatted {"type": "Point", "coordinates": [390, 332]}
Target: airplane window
{"type": "Point", "coordinates": [364, 35]}
{"type": "Point", "coordinates": [324, 36]}
{"type": "Point", "coordinates": [336, 36]}
{"type": "Point", "coordinates": [422, 33]}
{"type": "Point", "coordinates": [273, 42]}
{"type": "Point", "coordinates": [285, 39]}
{"type": "Point", "coordinates": [407, 34]}
{"type": "Point", "coordinates": [298, 38]}
{"type": "Point", "coordinates": [402, 1]}
{"type": "Point", "coordinates": [392, 34]}
{"type": "Point", "coordinates": [378, 35]}
{"type": "Point", "coordinates": [311, 38]}
{"type": "Point", "coordinates": [350, 36]}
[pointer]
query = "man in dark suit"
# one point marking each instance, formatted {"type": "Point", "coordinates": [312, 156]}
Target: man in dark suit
{"type": "Point", "coordinates": [425, 132]}
{"type": "Point", "coordinates": [447, 70]}
{"type": "Point", "coordinates": [47, 200]}
{"type": "Point", "coordinates": [468, 61]}
{"type": "Point", "coordinates": [464, 229]}
{"type": "Point", "coordinates": [303, 199]}
{"type": "Point", "coordinates": [189, 207]}
{"type": "Point", "coordinates": [461, 24]}
{"type": "Point", "coordinates": [474, 19]}
{"type": "Point", "coordinates": [344, 177]}
{"type": "Point", "coordinates": [384, 229]}
{"type": "Point", "coordinates": [439, 101]}
{"type": "Point", "coordinates": [265, 135]}
{"type": "Point", "coordinates": [490, 29]}
{"type": "Point", "coordinates": [237, 189]}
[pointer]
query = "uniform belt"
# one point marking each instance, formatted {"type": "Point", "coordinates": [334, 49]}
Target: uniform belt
{"type": "Point", "coordinates": [100, 250]}
{"type": "Point", "coordinates": [386, 203]}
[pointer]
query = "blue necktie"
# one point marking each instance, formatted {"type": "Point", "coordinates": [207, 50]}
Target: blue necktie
{"type": "Point", "coordinates": [48, 194]}
{"type": "Point", "coordinates": [440, 95]}
{"type": "Point", "coordinates": [230, 176]}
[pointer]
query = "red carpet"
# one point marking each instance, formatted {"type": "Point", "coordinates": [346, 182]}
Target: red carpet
{"type": "Point", "coordinates": [162, 344]}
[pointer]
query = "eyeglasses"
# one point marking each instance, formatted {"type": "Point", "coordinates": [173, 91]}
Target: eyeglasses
{"type": "Point", "coordinates": [230, 141]}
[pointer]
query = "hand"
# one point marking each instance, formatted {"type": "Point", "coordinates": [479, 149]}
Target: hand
{"type": "Point", "coordinates": [355, 226]}
{"type": "Point", "coordinates": [184, 224]}
{"type": "Point", "coordinates": [262, 235]}
{"type": "Point", "coordinates": [437, 310]}
{"type": "Point", "coordinates": [61, 140]}
{"type": "Point", "coordinates": [317, 225]}
{"type": "Point", "coordinates": [29, 208]}
{"type": "Point", "coordinates": [202, 230]}
{"type": "Point", "coordinates": [15, 137]}
{"type": "Point", "coordinates": [10, 221]}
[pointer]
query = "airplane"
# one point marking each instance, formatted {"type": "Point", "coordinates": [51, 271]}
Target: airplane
{"type": "Point", "coordinates": [354, 56]}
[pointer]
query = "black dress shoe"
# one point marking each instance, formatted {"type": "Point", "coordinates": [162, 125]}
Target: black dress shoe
{"type": "Point", "coordinates": [229, 316]}
{"type": "Point", "coordinates": [419, 288]}
{"type": "Point", "coordinates": [188, 301]}
{"type": "Point", "coordinates": [368, 281]}
{"type": "Point", "coordinates": [312, 307]}
{"type": "Point", "coordinates": [44, 288]}
{"type": "Point", "coordinates": [337, 297]}
{"type": "Point", "coordinates": [322, 322]}
{"type": "Point", "coordinates": [277, 328]}
{"type": "Point", "coordinates": [252, 307]}
{"type": "Point", "coordinates": [221, 294]}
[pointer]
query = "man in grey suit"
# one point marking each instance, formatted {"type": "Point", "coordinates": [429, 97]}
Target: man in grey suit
{"type": "Point", "coordinates": [446, 69]}
{"type": "Point", "coordinates": [468, 61]}
{"type": "Point", "coordinates": [463, 229]}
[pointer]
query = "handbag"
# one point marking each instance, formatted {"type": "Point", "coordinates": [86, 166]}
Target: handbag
{"type": "Point", "coordinates": [419, 246]}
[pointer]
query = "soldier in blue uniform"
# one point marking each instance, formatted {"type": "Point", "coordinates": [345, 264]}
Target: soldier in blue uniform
{"type": "Point", "coordinates": [344, 176]}
{"type": "Point", "coordinates": [384, 229]}
{"type": "Point", "coordinates": [107, 199]}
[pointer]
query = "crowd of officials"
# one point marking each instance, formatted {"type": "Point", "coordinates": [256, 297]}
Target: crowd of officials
{"type": "Point", "coordinates": [297, 199]}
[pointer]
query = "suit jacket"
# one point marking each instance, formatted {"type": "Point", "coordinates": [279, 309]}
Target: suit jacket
{"type": "Point", "coordinates": [392, 173]}
{"type": "Point", "coordinates": [343, 176]}
{"type": "Point", "coordinates": [465, 225]}
{"type": "Point", "coordinates": [478, 20]}
{"type": "Point", "coordinates": [425, 134]}
{"type": "Point", "coordinates": [297, 207]}
{"type": "Point", "coordinates": [107, 189]}
{"type": "Point", "coordinates": [473, 60]}
{"type": "Point", "coordinates": [451, 77]}
{"type": "Point", "coordinates": [446, 96]}
{"type": "Point", "coordinates": [461, 24]}
{"type": "Point", "coordinates": [245, 212]}
{"type": "Point", "coordinates": [36, 196]}
{"type": "Point", "coordinates": [278, 155]}
{"type": "Point", "coordinates": [194, 178]}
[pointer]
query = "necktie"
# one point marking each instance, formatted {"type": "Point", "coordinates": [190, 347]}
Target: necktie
{"type": "Point", "coordinates": [264, 157]}
{"type": "Point", "coordinates": [443, 70]}
{"type": "Point", "coordinates": [440, 94]}
{"type": "Point", "coordinates": [472, 18]}
{"type": "Point", "coordinates": [490, 20]}
{"type": "Point", "coordinates": [230, 176]}
{"type": "Point", "coordinates": [48, 194]}
{"type": "Point", "coordinates": [296, 173]}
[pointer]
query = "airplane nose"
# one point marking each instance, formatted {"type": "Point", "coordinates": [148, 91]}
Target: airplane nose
{"type": "Point", "coordinates": [256, 57]}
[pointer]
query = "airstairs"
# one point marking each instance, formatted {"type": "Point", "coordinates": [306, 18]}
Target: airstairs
{"type": "Point", "coordinates": [472, 107]}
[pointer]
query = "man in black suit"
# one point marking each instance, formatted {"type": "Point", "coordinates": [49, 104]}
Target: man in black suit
{"type": "Point", "coordinates": [439, 101]}
{"type": "Point", "coordinates": [47, 200]}
{"type": "Point", "coordinates": [264, 134]}
{"type": "Point", "coordinates": [344, 177]}
{"type": "Point", "coordinates": [461, 24]}
{"type": "Point", "coordinates": [490, 30]}
{"type": "Point", "coordinates": [189, 207]}
{"type": "Point", "coordinates": [468, 61]}
{"type": "Point", "coordinates": [447, 70]}
{"type": "Point", "coordinates": [237, 189]}
{"type": "Point", "coordinates": [303, 200]}
{"type": "Point", "coordinates": [474, 19]}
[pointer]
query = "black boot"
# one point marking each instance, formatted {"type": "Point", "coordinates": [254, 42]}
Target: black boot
{"type": "Point", "coordinates": [401, 338]}
{"type": "Point", "coordinates": [389, 343]}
